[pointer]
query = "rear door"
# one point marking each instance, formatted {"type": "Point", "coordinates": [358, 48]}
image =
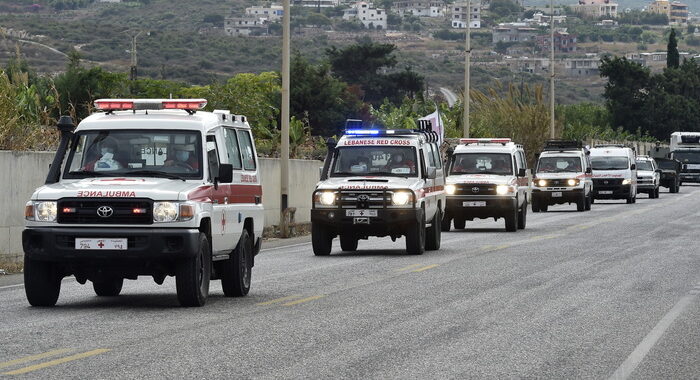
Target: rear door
{"type": "Point", "coordinates": [219, 196]}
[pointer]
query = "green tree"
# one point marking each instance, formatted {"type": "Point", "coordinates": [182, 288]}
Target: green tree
{"type": "Point", "coordinates": [625, 92]}
{"type": "Point", "coordinates": [672, 57]}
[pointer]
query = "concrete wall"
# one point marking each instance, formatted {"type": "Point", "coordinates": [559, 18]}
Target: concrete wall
{"type": "Point", "coordinates": [22, 172]}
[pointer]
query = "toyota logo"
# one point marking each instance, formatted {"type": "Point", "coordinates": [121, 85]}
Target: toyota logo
{"type": "Point", "coordinates": [475, 189]}
{"type": "Point", "coordinates": [105, 211]}
{"type": "Point", "coordinates": [605, 182]}
{"type": "Point", "coordinates": [363, 198]}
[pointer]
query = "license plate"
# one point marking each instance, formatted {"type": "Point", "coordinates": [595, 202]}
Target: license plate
{"type": "Point", "coordinates": [367, 213]}
{"type": "Point", "coordinates": [101, 244]}
{"type": "Point", "coordinates": [360, 221]}
{"type": "Point", "coordinates": [474, 204]}
{"type": "Point", "coordinates": [605, 192]}
{"type": "Point", "coordinates": [556, 194]}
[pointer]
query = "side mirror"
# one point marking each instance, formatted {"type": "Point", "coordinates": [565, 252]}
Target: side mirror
{"type": "Point", "coordinates": [589, 170]}
{"type": "Point", "coordinates": [225, 173]}
{"type": "Point", "coordinates": [522, 172]}
{"type": "Point", "coordinates": [430, 173]}
{"type": "Point", "coordinates": [633, 167]}
{"type": "Point", "coordinates": [659, 171]}
{"type": "Point", "coordinates": [685, 167]}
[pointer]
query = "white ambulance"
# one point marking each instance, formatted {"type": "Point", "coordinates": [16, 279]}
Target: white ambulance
{"type": "Point", "coordinates": [380, 183]}
{"type": "Point", "coordinates": [147, 187]}
{"type": "Point", "coordinates": [487, 179]}
{"type": "Point", "coordinates": [614, 172]}
{"type": "Point", "coordinates": [563, 175]}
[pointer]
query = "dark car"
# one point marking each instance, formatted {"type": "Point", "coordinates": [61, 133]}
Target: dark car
{"type": "Point", "coordinates": [670, 173]}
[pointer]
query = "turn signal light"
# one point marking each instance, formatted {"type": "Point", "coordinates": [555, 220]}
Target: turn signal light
{"type": "Point", "coordinates": [186, 212]}
{"type": "Point", "coordinates": [29, 212]}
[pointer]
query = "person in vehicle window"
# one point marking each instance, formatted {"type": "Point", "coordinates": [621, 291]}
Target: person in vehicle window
{"type": "Point", "coordinates": [465, 164]}
{"type": "Point", "coordinates": [109, 147]}
{"type": "Point", "coordinates": [398, 161]}
{"type": "Point", "coordinates": [184, 157]}
{"type": "Point", "coordinates": [500, 166]}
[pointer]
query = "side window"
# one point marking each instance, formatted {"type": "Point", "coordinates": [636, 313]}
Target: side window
{"type": "Point", "coordinates": [212, 157]}
{"type": "Point", "coordinates": [523, 161]}
{"type": "Point", "coordinates": [431, 156]}
{"type": "Point", "coordinates": [518, 161]}
{"type": "Point", "coordinates": [436, 154]}
{"type": "Point", "coordinates": [234, 154]}
{"type": "Point", "coordinates": [422, 162]}
{"type": "Point", "coordinates": [246, 145]}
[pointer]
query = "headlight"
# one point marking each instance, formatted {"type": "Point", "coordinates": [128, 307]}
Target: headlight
{"type": "Point", "coordinates": [540, 183]}
{"type": "Point", "coordinates": [450, 189]}
{"type": "Point", "coordinates": [572, 182]}
{"type": "Point", "coordinates": [327, 198]}
{"type": "Point", "coordinates": [400, 198]}
{"type": "Point", "coordinates": [504, 189]}
{"type": "Point", "coordinates": [165, 211]}
{"type": "Point", "coordinates": [626, 181]}
{"type": "Point", "coordinates": [45, 211]}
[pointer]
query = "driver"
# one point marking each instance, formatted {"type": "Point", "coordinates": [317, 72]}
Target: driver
{"type": "Point", "coordinates": [500, 165]}
{"type": "Point", "coordinates": [399, 161]}
{"type": "Point", "coordinates": [109, 147]}
{"type": "Point", "coordinates": [184, 157]}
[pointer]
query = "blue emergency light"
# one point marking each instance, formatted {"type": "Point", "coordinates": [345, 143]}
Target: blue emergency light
{"type": "Point", "coordinates": [362, 132]}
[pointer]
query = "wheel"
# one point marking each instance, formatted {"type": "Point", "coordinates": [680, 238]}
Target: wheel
{"type": "Point", "coordinates": [446, 223]}
{"type": "Point", "coordinates": [680, 183]}
{"type": "Point", "coordinates": [651, 194]}
{"type": "Point", "coordinates": [512, 221]}
{"type": "Point", "coordinates": [110, 287]}
{"type": "Point", "coordinates": [433, 234]}
{"type": "Point", "coordinates": [42, 284]}
{"type": "Point", "coordinates": [522, 216]}
{"type": "Point", "coordinates": [592, 199]}
{"type": "Point", "coordinates": [589, 201]}
{"type": "Point", "coordinates": [348, 243]}
{"type": "Point", "coordinates": [460, 223]}
{"type": "Point", "coordinates": [544, 207]}
{"type": "Point", "coordinates": [415, 238]}
{"type": "Point", "coordinates": [656, 195]}
{"type": "Point", "coordinates": [535, 206]}
{"type": "Point", "coordinates": [237, 271]}
{"type": "Point", "coordinates": [321, 240]}
{"type": "Point", "coordinates": [581, 203]}
{"type": "Point", "coordinates": [634, 199]}
{"type": "Point", "coordinates": [630, 200]}
{"type": "Point", "coordinates": [193, 275]}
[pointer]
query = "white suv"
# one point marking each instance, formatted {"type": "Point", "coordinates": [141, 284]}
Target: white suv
{"type": "Point", "coordinates": [380, 183]}
{"type": "Point", "coordinates": [563, 175]}
{"type": "Point", "coordinates": [149, 187]}
{"type": "Point", "coordinates": [487, 179]}
{"type": "Point", "coordinates": [648, 176]}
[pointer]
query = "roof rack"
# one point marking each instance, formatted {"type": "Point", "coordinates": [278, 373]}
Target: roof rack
{"type": "Point", "coordinates": [424, 128]}
{"type": "Point", "coordinates": [562, 145]}
{"type": "Point", "coordinates": [502, 141]}
{"type": "Point", "coordinates": [610, 146]}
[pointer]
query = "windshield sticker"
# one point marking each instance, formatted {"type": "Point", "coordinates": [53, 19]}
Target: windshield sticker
{"type": "Point", "coordinates": [361, 187]}
{"type": "Point", "coordinates": [377, 142]}
{"type": "Point", "coordinates": [401, 171]}
{"type": "Point", "coordinates": [106, 194]}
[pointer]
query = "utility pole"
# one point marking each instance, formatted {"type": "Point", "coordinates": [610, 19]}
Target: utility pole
{"type": "Point", "coordinates": [284, 155]}
{"type": "Point", "coordinates": [551, 70]}
{"type": "Point", "coordinates": [467, 65]}
{"type": "Point", "coordinates": [134, 59]}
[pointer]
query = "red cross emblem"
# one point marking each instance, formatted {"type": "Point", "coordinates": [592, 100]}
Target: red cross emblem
{"type": "Point", "coordinates": [223, 223]}
{"type": "Point", "coordinates": [101, 244]}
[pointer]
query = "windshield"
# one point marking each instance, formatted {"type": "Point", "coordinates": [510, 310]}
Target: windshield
{"type": "Point", "coordinates": [151, 153]}
{"type": "Point", "coordinates": [610, 163]}
{"type": "Point", "coordinates": [644, 165]}
{"type": "Point", "coordinates": [482, 163]}
{"type": "Point", "coordinates": [666, 164]}
{"type": "Point", "coordinates": [687, 157]}
{"type": "Point", "coordinates": [375, 160]}
{"type": "Point", "coordinates": [559, 165]}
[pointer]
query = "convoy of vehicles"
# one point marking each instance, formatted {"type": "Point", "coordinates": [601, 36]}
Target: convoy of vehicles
{"type": "Point", "coordinates": [614, 172]}
{"type": "Point", "coordinates": [487, 179]}
{"type": "Point", "coordinates": [563, 175]}
{"type": "Point", "coordinates": [149, 187]}
{"type": "Point", "coordinates": [380, 183]}
{"type": "Point", "coordinates": [685, 148]}
{"type": "Point", "coordinates": [648, 176]}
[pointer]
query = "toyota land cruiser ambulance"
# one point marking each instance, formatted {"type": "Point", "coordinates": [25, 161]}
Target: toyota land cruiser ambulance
{"type": "Point", "coordinates": [648, 176]}
{"type": "Point", "coordinates": [563, 175]}
{"type": "Point", "coordinates": [487, 179]}
{"type": "Point", "coordinates": [614, 172]}
{"type": "Point", "coordinates": [380, 183]}
{"type": "Point", "coordinates": [149, 187]}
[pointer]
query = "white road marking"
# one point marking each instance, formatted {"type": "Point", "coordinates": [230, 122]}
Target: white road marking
{"type": "Point", "coordinates": [640, 352]}
{"type": "Point", "coordinates": [11, 286]}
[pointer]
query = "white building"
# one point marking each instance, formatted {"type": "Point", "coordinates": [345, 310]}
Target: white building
{"type": "Point", "coordinates": [244, 26]}
{"type": "Point", "coordinates": [369, 16]}
{"type": "Point", "coordinates": [317, 3]}
{"type": "Point", "coordinates": [419, 8]}
{"type": "Point", "coordinates": [543, 20]}
{"type": "Point", "coordinates": [461, 15]}
{"type": "Point", "coordinates": [271, 13]}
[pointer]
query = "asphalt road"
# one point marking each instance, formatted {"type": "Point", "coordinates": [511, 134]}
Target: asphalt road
{"type": "Point", "coordinates": [610, 293]}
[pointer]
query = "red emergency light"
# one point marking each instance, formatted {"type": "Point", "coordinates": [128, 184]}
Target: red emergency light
{"type": "Point", "coordinates": [485, 141]}
{"type": "Point", "coordinates": [196, 104]}
{"type": "Point", "coordinates": [150, 104]}
{"type": "Point", "coordinates": [114, 105]}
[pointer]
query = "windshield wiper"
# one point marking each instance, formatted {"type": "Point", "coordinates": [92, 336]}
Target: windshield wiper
{"type": "Point", "coordinates": [155, 173]}
{"type": "Point", "coordinates": [89, 173]}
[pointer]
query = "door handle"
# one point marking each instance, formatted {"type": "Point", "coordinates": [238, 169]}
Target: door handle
{"type": "Point", "coordinates": [257, 199]}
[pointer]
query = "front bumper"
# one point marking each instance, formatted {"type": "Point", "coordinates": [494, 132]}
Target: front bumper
{"type": "Point", "coordinates": [546, 196]}
{"type": "Point", "coordinates": [615, 192]}
{"type": "Point", "coordinates": [143, 244]}
{"type": "Point", "coordinates": [645, 186]}
{"type": "Point", "coordinates": [394, 221]}
{"type": "Point", "coordinates": [493, 206]}
{"type": "Point", "coordinates": [690, 177]}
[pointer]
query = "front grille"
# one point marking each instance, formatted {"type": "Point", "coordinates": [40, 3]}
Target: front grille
{"type": "Point", "coordinates": [475, 189]}
{"type": "Point", "coordinates": [122, 211]}
{"type": "Point", "coordinates": [604, 182]}
{"type": "Point", "coordinates": [365, 199]}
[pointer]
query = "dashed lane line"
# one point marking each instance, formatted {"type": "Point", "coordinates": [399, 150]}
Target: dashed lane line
{"type": "Point", "coordinates": [52, 363]}
{"type": "Point", "coordinates": [409, 267]}
{"type": "Point", "coordinates": [277, 300]}
{"type": "Point", "coordinates": [425, 268]}
{"type": "Point", "coordinates": [307, 299]}
{"type": "Point", "coordinates": [32, 358]}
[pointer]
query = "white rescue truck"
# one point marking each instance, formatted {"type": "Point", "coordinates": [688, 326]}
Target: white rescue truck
{"type": "Point", "coordinates": [488, 179]}
{"type": "Point", "coordinates": [614, 172]}
{"type": "Point", "coordinates": [563, 175]}
{"type": "Point", "coordinates": [685, 148]}
{"type": "Point", "coordinates": [149, 187]}
{"type": "Point", "coordinates": [380, 183]}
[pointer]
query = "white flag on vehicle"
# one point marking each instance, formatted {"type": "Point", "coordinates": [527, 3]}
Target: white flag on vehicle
{"type": "Point", "coordinates": [436, 124]}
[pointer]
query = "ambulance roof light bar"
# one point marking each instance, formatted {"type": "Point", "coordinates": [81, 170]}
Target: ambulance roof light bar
{"type": "Point", "coordinates": [502, 141]}
{"type": "Point", "coordinates": [111, 105]}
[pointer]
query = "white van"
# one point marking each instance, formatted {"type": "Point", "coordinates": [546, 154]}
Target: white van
{"type": "Point", "coordinates": [614, 172]}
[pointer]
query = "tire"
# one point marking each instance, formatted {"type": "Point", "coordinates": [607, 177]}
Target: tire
{"type": "Point", "coordinates": [415, 238]}
{"type": "Point", "coordinates": [446, 224]}
{"type": "Point", "coordinates": [512, 221]}
{"type": "Point", "coordinates": [460, 224]}
{"type": "Point", "coordinates": [110, 287]}
{"type": "Point", "coordinates": [193, 275]}
{"type": "Point", "coordinates": [589, 202]}
{"type": "Point", "coordinates": [592, 199]}
{"type": "Point", "coordinates": [522, 216]}
{"type": "Point", "coordinates": [657, 192]}
{"type": "Point", "coordinates": [673, 188]}
{"type": "Point", "coordinates": [321, 240]}
{"type": "Point", "coordinates": [544, 207]}
{"type": "Point", "coordinates": [629, 200]}
{"type": "Point", "coordinates": [42, 284]}
{"type": "Point", "coordinates": [581, 203]}
{"type": "Point", "coordinates": [535, 206]}
{"type": "Point", "coordinates": [348, 243]}
{"type": "Point", "coordinates": [237, 271]}
{"type": "Point", "coordinates": [433, 234]}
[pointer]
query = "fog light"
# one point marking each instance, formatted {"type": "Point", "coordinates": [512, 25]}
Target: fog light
{"type": "Point", "coordinates": [331, 215]}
